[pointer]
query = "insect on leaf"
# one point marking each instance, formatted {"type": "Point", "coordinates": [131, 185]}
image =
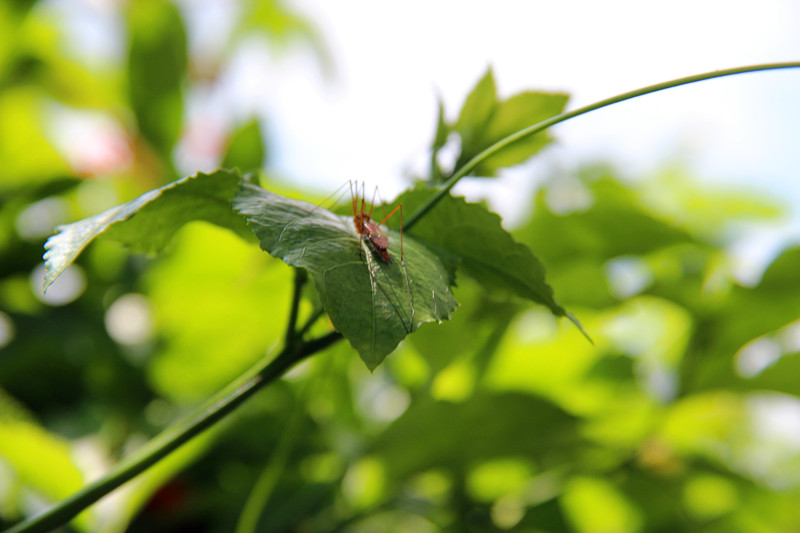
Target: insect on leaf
{"type": "Point", "coordinates": [372, 302]}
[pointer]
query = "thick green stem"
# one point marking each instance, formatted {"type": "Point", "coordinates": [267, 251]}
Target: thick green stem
{"type": "Point", "coordinates": [470, 165]}
{"type": "Point", "coordinates": [263, 373]}
{"type": "Point", "coordinates": [300, 277]}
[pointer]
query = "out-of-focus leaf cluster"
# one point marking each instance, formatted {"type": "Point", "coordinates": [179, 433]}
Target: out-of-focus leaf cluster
{"type": "Point", "coordinates": [501, 419]}
{"type": "Point", "coordinates": [100, 363]}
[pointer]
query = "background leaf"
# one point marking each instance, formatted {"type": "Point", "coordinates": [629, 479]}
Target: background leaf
{"type": "Point", "coordinates": [22, 128]}
{"type": "Point", "coordinates": [238, 297]}
{"type": "Point", "coordinates": [157, 59]}
{"type": "Point", "coordinates": [38, 458]}
{"type": "Point", "coordinates": [374, 304]}
{"type": "Point", "coordinates": [246, 150]}
{"type": "Point", "coordinates": [459, 434]}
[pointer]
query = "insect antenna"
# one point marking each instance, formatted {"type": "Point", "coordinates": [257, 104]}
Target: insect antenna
{"type": "Point", "coordinates": [338, 193]}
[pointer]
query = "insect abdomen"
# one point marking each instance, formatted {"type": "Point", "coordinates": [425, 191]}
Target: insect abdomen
{"type": "Point", "coordinates": [378, 239]}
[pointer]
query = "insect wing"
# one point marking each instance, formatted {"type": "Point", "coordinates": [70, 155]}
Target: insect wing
{"type": "Point", "coordinates": [376, 235]}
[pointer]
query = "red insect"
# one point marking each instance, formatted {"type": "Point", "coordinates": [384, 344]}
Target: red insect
{"type": "Point", "coordinates": [368, 228]}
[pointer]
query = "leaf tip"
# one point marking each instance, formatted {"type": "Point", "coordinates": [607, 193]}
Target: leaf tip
{"type": "Point", "coordinates": [55, 259]}
{"type": "Point", "coordinates": [580, 327]}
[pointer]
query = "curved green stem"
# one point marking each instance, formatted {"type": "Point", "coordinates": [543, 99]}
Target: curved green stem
{"type": "Point", "coordinates": [215, 409]}
{"type": "Point", "coordinates": [470, 165]}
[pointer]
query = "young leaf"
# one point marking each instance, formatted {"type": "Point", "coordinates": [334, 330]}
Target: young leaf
{"type": "Point", "coordinates": [246, 149]}
{"type": "Point", "coordinates": [476, 113]}
{"type": "Point", "coordinates": [512, 115]}
{"type": "Point", "coordinates": [484, 120]}
{"type": "Point", "coordinates": [485, 250]}
{"type": "Point", "coordinates": [442, 129]}
{"type": "Point", "coordinates": [439, 140]}
{"type": "Point", "coordinates": [159, 214]}
{"type": "Point", "coordinates": [373, 303]}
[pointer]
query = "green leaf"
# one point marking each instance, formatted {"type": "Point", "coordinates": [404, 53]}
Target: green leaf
{"type": "Point", "coordinates": [510, 116]}
{"type": "Point", "coordinates": [439, 140]}
{"type": "Point", "coordinates": [484, 120]}
{"type": "Point", "coordinates": [159, 214]}
{"type": "Point", "coordinates": [442, 130]}
{"type": "Point", "coordinates": [484, 250]}
{"type": "Point", "coordinates": [475, 114]}
{"type": "Point", "coordinates": [749, 313]}
{"type": "Point", "coordinates": [27, 154]}
{"type": "Point", "coordinates": [614, 225]}
{"type": "Point", "coordinates": [41, 460]}
{"type": "Point", "coordinates": [473, 332]}
{"type": "Point", "coordinates": [246, 150]}
{"type": "Point", "coordinates": [373, 303]}
{"type": "Point", "coordinates": [157, 60]}
{"type": "Point", "coordinates": [275, 19]}
{"type": "Point", "coordinates": [220, 328]}
{"type": "Point", "coordinates": [485, 426]}
{"type": "Point", "coordinates": [781, 376]}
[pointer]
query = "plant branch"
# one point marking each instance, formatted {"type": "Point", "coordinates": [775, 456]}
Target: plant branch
{"type": "Point", "coordinates": [224, 402]}
{"type": "Point", "coordinates": [310, 322]}
{"type": "Point", "coordinates": [300, 277]}
{"type": "Point", "coordinates": [470, 165]}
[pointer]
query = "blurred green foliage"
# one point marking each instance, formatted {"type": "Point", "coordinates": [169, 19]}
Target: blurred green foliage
{"type": "Point", "coordinates": [501, 419]}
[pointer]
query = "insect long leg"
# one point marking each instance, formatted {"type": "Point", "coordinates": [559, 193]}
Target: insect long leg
{"type": "Point", "coordinates": [336, 195]}
{"type": "Point", "coordinates": [402, 260]}
{"type": "Point", "coordinates": [367, 229]}
{"type": "Point", "coordinates": [358, 218]}
{"type": "Point", "coordinates": [353, 196]}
